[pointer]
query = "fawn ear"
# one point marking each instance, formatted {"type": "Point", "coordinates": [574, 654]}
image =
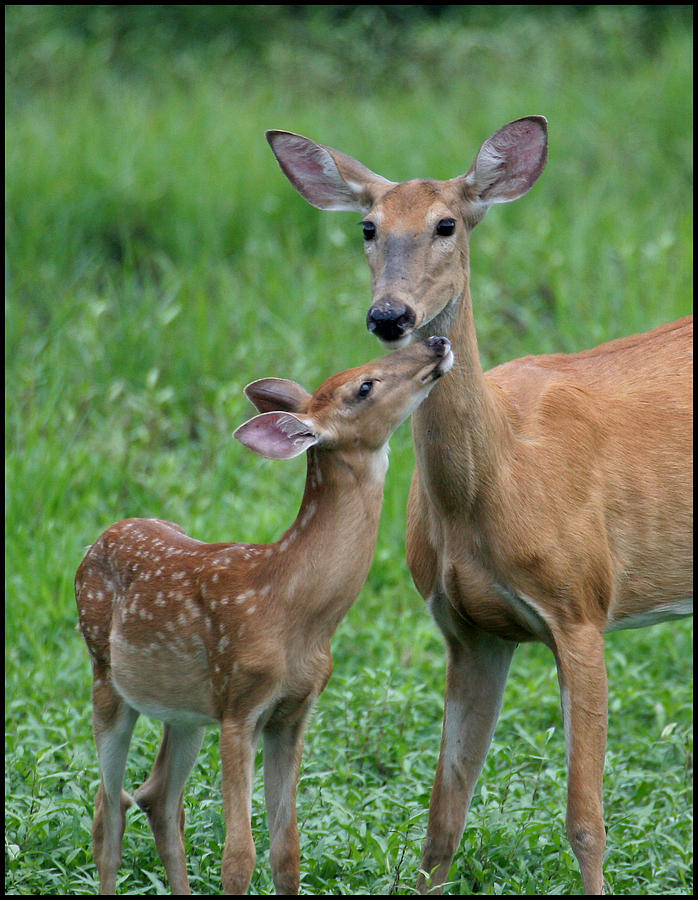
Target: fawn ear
{"type": "Point", "coordinates": [509, 163]}
{"type": "Point", "coordinates": [277, 435]}
{"type": "Point", "coordinates": [274, 394]}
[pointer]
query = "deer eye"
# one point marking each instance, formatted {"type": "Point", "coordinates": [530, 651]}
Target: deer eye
{"type": "Point", "coordinates": [364, 389]}
{"type": "Point", "coordinates": [446, 227]}
{"type": "Point", "coordinates": [369, 230]}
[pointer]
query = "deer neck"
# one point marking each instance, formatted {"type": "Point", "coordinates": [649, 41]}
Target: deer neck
{"type": "Point", "coordinates": [334, 536]}
{"type": "Point", "coordinates": [458, 429]}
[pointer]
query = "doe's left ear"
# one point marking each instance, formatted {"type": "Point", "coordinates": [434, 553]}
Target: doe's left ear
{"type": "Point", "coordinates": [277, 435]}
{"type": "Point", "coordinates": [509, 163]}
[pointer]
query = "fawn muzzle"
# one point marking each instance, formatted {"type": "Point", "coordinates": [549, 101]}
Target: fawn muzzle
{"type": "Point", "coordinates": [441, 347]}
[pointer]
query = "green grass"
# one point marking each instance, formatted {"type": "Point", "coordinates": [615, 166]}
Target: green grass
{"type": "Point", "coordinates": [157, 260]}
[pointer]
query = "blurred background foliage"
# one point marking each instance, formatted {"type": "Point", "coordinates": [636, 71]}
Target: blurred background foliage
{"type": "Point", "coordinates": [368, 43]}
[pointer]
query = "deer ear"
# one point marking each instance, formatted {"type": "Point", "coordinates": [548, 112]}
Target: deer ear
{"type": "Point", "coordinates": [277, 435]}
{"type": "Point", "coordinates": [274, 394]}
{"type": "Point", "coordinates": [509, 163]}
{"type": "Point", "coordinates": [326, 178]}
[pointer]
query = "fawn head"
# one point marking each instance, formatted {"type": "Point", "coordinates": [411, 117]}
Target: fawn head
{"type": "Point", "coordinates": [357, 409]}
{"type": "Point", "coordinates": [416, 233]}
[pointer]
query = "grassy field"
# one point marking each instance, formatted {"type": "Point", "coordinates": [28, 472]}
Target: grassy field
{"type": "Point", "coordinates": [157, 260]}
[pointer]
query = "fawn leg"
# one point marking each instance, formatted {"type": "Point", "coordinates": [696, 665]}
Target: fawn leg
{"type": "Point", "coordinates": [238, 744]}
{"type": "Point", "coordinates": [112, 721]}
{"type": "Point", "coordinates": [161, 797]}
{"type": "Point", "coordinates": [283, 749]}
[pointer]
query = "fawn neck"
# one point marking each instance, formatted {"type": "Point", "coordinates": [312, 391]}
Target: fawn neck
{"type": "Point", "coordinates": [342, 490]}
{"type": "Point", "coordinates": [334, 535]}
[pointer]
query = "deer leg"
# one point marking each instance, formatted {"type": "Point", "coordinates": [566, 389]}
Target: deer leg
{"type": "Point", "coordinates": [584, 692]}
{"type": "Point", "coordinates": [478, 665]}
{"type": "Point", "coordinates": [237, 765]}
{"type": "Point", "coordinates": [161, 798]}
{"type": "Point", "coordinates": [113, 722]}
{"type": "Point", "coordinates": [283, 749]}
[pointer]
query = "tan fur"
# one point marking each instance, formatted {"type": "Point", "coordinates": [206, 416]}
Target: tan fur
{"type": "Point", "coordinates": [553, 495]}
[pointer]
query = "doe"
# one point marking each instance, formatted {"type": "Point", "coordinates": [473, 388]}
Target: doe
{"type": "Point", "coordinates": [553, 495]}
{"type": "Point", "coordinates": [239, 634]}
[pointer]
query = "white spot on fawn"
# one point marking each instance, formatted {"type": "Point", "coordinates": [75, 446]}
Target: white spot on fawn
{"type": "Point", "coordinates": [309, 513]}
{"type": "Point", "coordinates": [289, 539]}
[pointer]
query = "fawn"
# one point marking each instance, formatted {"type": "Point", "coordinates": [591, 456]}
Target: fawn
{"type": "Point", "coordinates": [193, 633]}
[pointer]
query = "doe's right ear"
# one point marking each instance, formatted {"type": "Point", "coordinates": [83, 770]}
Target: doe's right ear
{"type": "Point", "coordinates": [327, 178]}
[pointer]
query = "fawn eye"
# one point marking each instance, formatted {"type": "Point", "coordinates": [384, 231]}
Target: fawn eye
{"type": "Point", "coordinates": [364, 389]}
{"type": "Point", "coordinates": [446, 227]}
{"type": "Point", "coordinates": [369, 230]}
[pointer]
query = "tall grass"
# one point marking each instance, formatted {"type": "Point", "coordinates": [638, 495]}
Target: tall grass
{"type": "Point", "coordinates": [157, 260]}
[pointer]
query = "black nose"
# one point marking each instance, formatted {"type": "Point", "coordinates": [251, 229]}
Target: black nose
{"type": "Point", "coordinates": [390, 320]}
{"type": "Point", "coordinates": [440, 345]}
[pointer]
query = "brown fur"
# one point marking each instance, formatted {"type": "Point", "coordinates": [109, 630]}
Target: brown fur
{"type": "Point", "coordinates": [239, 634]}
